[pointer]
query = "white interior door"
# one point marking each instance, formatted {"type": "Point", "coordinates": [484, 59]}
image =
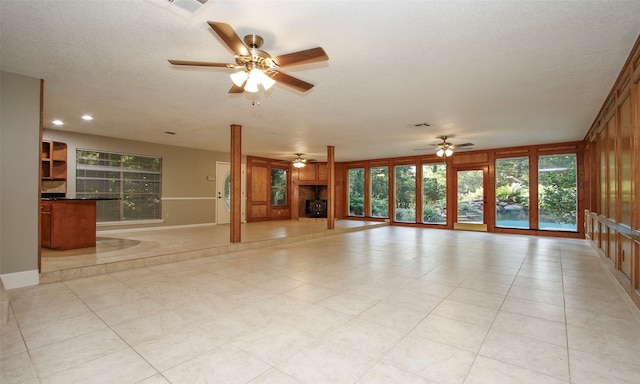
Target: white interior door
{"type": "Point", "coordinates": [223, 193]}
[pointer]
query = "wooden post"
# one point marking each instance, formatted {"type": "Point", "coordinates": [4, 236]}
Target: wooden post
{"type": "Point", "coordinates": [236, 182]}
{"type": "Point", "coordinates": [331, 187]}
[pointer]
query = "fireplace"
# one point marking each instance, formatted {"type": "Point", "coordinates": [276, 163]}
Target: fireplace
{"type": "Point", "coordinates": [316, 208]}
{"type": "Point", "coordinates": [313, 200]}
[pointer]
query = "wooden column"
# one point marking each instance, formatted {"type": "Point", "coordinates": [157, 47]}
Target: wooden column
{"type": "Point", "coordinates": [40, 175]}
{"type": "Point", "coordinates": [331, 188]}
{"type": "Point", "coordinates": [236, 182]}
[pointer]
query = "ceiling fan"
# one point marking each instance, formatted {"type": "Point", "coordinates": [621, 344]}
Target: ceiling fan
{"type": "Point", "coordinates": [445, 148]}
{"type": "Point", "coordinates": [257, 67]}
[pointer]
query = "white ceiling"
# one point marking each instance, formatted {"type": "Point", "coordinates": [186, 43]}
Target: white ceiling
{"type": "Point", "coordinates": [495, 73]}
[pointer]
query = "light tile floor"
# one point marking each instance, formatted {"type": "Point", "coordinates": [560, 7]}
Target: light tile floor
{"type": "Point", "coordinates": [383, 305]}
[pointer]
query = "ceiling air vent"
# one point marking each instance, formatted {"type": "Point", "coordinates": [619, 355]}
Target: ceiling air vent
{"type": "Point", "coordinates": [184, 8]}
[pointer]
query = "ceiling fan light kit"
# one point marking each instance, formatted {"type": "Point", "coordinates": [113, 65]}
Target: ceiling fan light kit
{"type": "Point", "coordinates": [252, 79]}
{"type": "Point", "coordinates": [444, 152]}
{"type": "Point", "coordinates": [299, 162]}
{"type": "Point", "coordinates": [445, 149]}
{"type": "Point", "coordinates": [257, 67]}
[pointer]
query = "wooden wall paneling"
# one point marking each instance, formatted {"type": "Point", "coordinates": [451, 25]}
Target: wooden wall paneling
{"type": "Point", "coordinates": [635, 181]}
{"type": "Point", "coordinates": [595, 171]}
{"type": "Point", "coordinates": [604, 239]}
{"type": "Point", "coordinates": [593, 175]}
{"type": "Point", "coordinates": [340, 190]}
{"type": "Point", "coordinates": [258, 211]}
{"type": "Point", "coordinates": [259, 195]}
{"type": "Point", "coordinates": [635, 266]}
{"type": "Point", "coordinates": [511, 152]}
{"type": "Point", "coordinates": [635, 120]}
{"type": "Point", "coordinates": [259, 192]}
{"type": "Point", "coordinates": [280, 213]}
{"type": "Point", "coordinates": [596, 230]}
{"type": "Point", "coordinates": [602, 174]}
{"type": "Point", "coordinates": [470, 158]}
{"type": "Point", "coordinates": [559, 148]}
{"type": "Point", "coordinates": [259, 183]}
{"type": "Point", "coordinates": [587, 176]}
{"type": "Point", "coordinates": [612, 189]}
{"type": "Point", "coordinates": [331, 187]}
{"type": "Point", "coordinates": [323, 171]}
{"type": "Point", "coordinates": [625, 153]}
{"type": "Point", "coordinates": [308, 172]}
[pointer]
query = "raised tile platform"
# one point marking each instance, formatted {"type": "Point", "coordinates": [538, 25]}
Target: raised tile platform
{"type": "Point", "coordinates": [128, 249]}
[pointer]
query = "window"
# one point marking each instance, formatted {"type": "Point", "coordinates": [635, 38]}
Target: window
{"type": "Point", "coordinates": [356, 192]}
{"type": "Point", "coordinates": [380, 192]}
{"type": "Point", "coordinates": [278, 187]}
{"type": "Point", "coordinates": [512, 192]}
{"type": "Point", "coordinates": [135, 181]}
{"type": "Point", "coordinates": [405, 193]}
{"type": "Point", "coordinates": [434, 193]}
{"type": "Point", "coordinates": [557, 192]}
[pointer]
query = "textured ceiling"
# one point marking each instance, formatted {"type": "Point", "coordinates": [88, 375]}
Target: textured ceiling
{"type": "Point", "coordinates": [495, 73]}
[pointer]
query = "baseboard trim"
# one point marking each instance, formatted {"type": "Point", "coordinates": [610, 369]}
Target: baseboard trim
{"type": "Point", "coordinates": [20, 279]}
{"type": "Point", "coordinates": [470, 227]}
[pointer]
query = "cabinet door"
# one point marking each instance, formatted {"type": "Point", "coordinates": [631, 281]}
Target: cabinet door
{"type": "Point", "coordinates": [625, 255]}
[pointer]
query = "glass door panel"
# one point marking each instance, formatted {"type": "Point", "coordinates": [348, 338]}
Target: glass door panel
{"type": "Point", "coordinates": [471, 199]}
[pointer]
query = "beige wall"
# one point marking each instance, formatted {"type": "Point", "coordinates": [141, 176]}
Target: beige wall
{"type": "Point", "coordinates": [19, 155]}
{"type": "Point", "coordinates": [188, 197]}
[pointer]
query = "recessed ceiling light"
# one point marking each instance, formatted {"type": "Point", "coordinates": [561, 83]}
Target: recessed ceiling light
{"type": "Point", "coordinates": [87, 117]}
{"type": "Point", "coordinates": [58, 122]}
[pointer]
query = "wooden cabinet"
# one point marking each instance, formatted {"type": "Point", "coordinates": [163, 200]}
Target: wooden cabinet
{"type": "Point", "coordinates": [68, 224]}
{"type": "Point", "coordinates": [53, 167]}
{"type": "Point", "coordinates": [53, 160]}
{"type": "Point", "coordinates": [312, 174]}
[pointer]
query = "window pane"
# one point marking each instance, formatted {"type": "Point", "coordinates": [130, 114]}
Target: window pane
{"type": "Point", "coordinates": [380, 192]}
{"type": "Point", "coordinates": [557, 192]}
{"type": "Point", "coordinates": [512, 192]}
{"type": "Point", "coordinates": [134, 180]}
{"type": "Point", "coordinates": [405, 193]}
{"type": "Point", "coordinates": [434, 193]}
{"type": "Point", "coordinates": [278, 187]}
{"type": "Point", "coordinates": [356, 192]}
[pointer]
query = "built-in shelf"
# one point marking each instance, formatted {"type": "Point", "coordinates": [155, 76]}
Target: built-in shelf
{"type": "Point", "coordinates": [53, 165]}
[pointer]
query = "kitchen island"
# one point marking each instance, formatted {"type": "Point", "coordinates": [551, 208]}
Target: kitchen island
{"type": "Point", "coordinates": [68, 223]}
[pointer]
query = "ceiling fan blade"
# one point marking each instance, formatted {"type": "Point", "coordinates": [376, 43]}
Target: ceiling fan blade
{"type": "Point", "coordinates": [302, 57]}
{"type": "Point", "coordinates": [291, 81]}
{"type": "Point", "coordinates": [201, 63]}
{"type": "Point", "coordinates": [464, 145]}
{"type": "Point", "coordinates": [230, 37]}
{"type": "Point", "coordinates": [236, 89]}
